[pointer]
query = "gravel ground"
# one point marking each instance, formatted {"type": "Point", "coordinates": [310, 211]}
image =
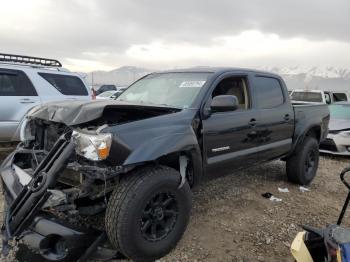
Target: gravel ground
{"type": "Point", "coordinates": [231, 221]}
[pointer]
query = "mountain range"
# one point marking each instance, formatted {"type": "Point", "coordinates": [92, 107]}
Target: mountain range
{"type": "Point", "coordinates": [122, 76]}
{"type": "Point", "coordinates": [297, 77]}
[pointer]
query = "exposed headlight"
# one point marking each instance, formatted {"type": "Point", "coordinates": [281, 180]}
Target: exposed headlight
{"type": "Point", "coordinates": [92, 146]}
{"type": "Point", "coordinates": [25, 131]}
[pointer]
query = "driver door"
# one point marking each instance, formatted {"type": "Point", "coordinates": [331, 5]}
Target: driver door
{"type": "Point", "coordinates": [230, 139]}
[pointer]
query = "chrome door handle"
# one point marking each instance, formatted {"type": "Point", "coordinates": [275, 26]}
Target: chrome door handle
{"type": "Point", "coordinates": [26, 101]}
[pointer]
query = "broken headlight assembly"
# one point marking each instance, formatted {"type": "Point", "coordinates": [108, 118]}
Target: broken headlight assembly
{"type": "Point", "coordinates": [26, 132]}
{"type": "Point", "coordinates": [92, 146]}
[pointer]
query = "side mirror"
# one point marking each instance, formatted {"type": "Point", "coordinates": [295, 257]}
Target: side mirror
{"type": "Point", "coordinates": [224, 103]}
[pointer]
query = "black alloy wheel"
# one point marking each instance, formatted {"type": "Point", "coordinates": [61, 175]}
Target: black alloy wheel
{"type": "Point", "coordinates": [159, 216]}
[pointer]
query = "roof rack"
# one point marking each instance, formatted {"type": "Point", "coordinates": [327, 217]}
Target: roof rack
{"type": "Point", "coordinates": [29, 60]}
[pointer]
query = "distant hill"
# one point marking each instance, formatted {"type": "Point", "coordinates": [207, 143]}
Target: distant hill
{"type": "Point", "coordinates": [322, 78]}
{"type": "Point", "coordinates": [122, 76]}
{"type": "Point", "coordinates": [298, 77]}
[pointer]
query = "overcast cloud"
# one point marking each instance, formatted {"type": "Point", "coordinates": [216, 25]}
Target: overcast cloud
{"type": "Point", "coordinates": [95, 34]}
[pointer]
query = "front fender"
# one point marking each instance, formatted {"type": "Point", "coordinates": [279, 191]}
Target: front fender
{"type": "Point", "coordinates": [160, 146]}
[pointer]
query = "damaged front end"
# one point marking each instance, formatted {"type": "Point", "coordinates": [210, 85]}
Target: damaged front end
{"type": "Point", "coordinates": [56, 175]}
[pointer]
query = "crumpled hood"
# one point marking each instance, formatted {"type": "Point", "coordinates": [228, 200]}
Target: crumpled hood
{"type": "Point", "coordinates": [336, 124]}
{"type": "Point", "coordinates": [77, 112]}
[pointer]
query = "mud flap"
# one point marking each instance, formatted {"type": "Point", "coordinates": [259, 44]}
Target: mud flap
{"type": "Point", "coordinates": [183, 161]}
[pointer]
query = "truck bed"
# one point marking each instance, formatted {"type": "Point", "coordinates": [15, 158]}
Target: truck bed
{"type": "Point", "coordinates": [311, 115]}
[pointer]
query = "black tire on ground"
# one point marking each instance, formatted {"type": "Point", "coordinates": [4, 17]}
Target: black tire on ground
{"type": "Point", "coordinates": [147, 213]}
{"type": "Point", "coordinates": [302, 166]}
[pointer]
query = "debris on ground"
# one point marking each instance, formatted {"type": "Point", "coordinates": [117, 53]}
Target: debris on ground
{"type": "Point", "coordinates": [283, 190]}
{"type": "Point", "coordinates": [275, 199]}
{"type": "Point", "coordinates": [270, 196]}
{"type": "Point", "coordinates": [303, 189]}
{"type": "Point", "coordinates": [267, 195]}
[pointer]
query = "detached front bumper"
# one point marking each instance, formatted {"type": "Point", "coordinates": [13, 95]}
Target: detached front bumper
{"type": "Point", "coordinates": [25, 195]}
{"type": "Point", "coordinates": [336, 144]}
{"type": "Point", "coordinates": [13, 177]}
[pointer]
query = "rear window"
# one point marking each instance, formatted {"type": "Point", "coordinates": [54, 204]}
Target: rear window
{"type": "Point", "coordinates": [67, 85]}
{"type": "Point", "coordinates": [339, 97]}
{"type": "Point", "coordinates": [307, 96]}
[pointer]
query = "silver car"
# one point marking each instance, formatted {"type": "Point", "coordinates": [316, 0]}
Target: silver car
{"type": "Point", "coordinates": [338, 139]}
{"type": "Point", "coordinates": [26, 82]}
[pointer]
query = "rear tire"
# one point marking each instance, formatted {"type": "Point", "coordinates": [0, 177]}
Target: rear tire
{"type": "Point", "coordinates": [147, 214]}
{"type": "Point", "coordinates": [302, 166]}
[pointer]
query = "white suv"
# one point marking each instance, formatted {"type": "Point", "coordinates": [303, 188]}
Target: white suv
{"type": "Point", "coordinates": [29, 81]}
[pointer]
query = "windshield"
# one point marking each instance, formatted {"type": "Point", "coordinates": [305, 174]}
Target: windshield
{"type": "Point", "coordinates": [107, 93]}
{"type": "Point", "coordinates": [171, 89]}
{"type": "Point", "coordinates": [307, 96]}
{"type": "Point", "coordinates": [340, 111]}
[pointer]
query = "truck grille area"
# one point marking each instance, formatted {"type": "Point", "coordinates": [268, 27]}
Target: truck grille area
{"type": "Point", "coordinates": [47, 133]}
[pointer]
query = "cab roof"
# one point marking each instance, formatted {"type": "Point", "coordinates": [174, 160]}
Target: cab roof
{"type": "Point", "coordinates": [216, 70]}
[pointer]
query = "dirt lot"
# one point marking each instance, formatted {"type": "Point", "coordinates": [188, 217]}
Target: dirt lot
{"type": "Point", "coordinates": [231, 221]}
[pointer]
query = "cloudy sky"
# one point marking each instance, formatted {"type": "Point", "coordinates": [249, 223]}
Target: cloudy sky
{"type": "Point", "coordinates": [104, 34]}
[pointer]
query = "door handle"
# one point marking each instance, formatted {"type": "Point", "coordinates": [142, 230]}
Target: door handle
{"type": "Point", "coordinates": [252, 122]}
{"type": "Point", "coordinates": [286, 117]}
{"type": "Point", "coordinates": [26, 101]}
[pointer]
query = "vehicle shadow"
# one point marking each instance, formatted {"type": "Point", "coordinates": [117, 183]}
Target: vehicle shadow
{"type": "Point", "coordinates": [25, 254]}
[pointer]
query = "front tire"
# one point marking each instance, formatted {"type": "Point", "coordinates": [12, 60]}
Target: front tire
{"type": "Point", "coordinates": [302, 166]}
{"type": "Point", "coordinates": [147, 214]}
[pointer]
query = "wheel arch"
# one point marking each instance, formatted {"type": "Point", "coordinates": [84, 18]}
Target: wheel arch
{"type": "Point", "coordinates": [168, 150]}
{"type": "Point", "coordinates": [194, 164]}
{"type": "Point", "coordinates": [311, 131]}
{"type": "Point", "coordinates": [314, 131]}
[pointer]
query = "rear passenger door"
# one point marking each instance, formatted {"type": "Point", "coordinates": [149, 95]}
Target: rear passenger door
{"type": "Point", "coordinates": [17, 96]}
{"type": "Point", "coordinates": [276, 126]}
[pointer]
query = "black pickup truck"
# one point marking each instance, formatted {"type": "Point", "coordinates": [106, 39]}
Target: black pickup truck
{"type": "Point", "coordinates": [134, 160]}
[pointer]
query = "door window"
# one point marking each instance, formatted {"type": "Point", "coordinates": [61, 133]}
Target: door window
{"type": "Point", "coordinates": [15, 83]}
{"type": "Point", "coordinates": [339, 97]}
{"type": "Point", "coordinates": [268, 92]}
{"type": "Point", "coordinates": [236, 86]}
